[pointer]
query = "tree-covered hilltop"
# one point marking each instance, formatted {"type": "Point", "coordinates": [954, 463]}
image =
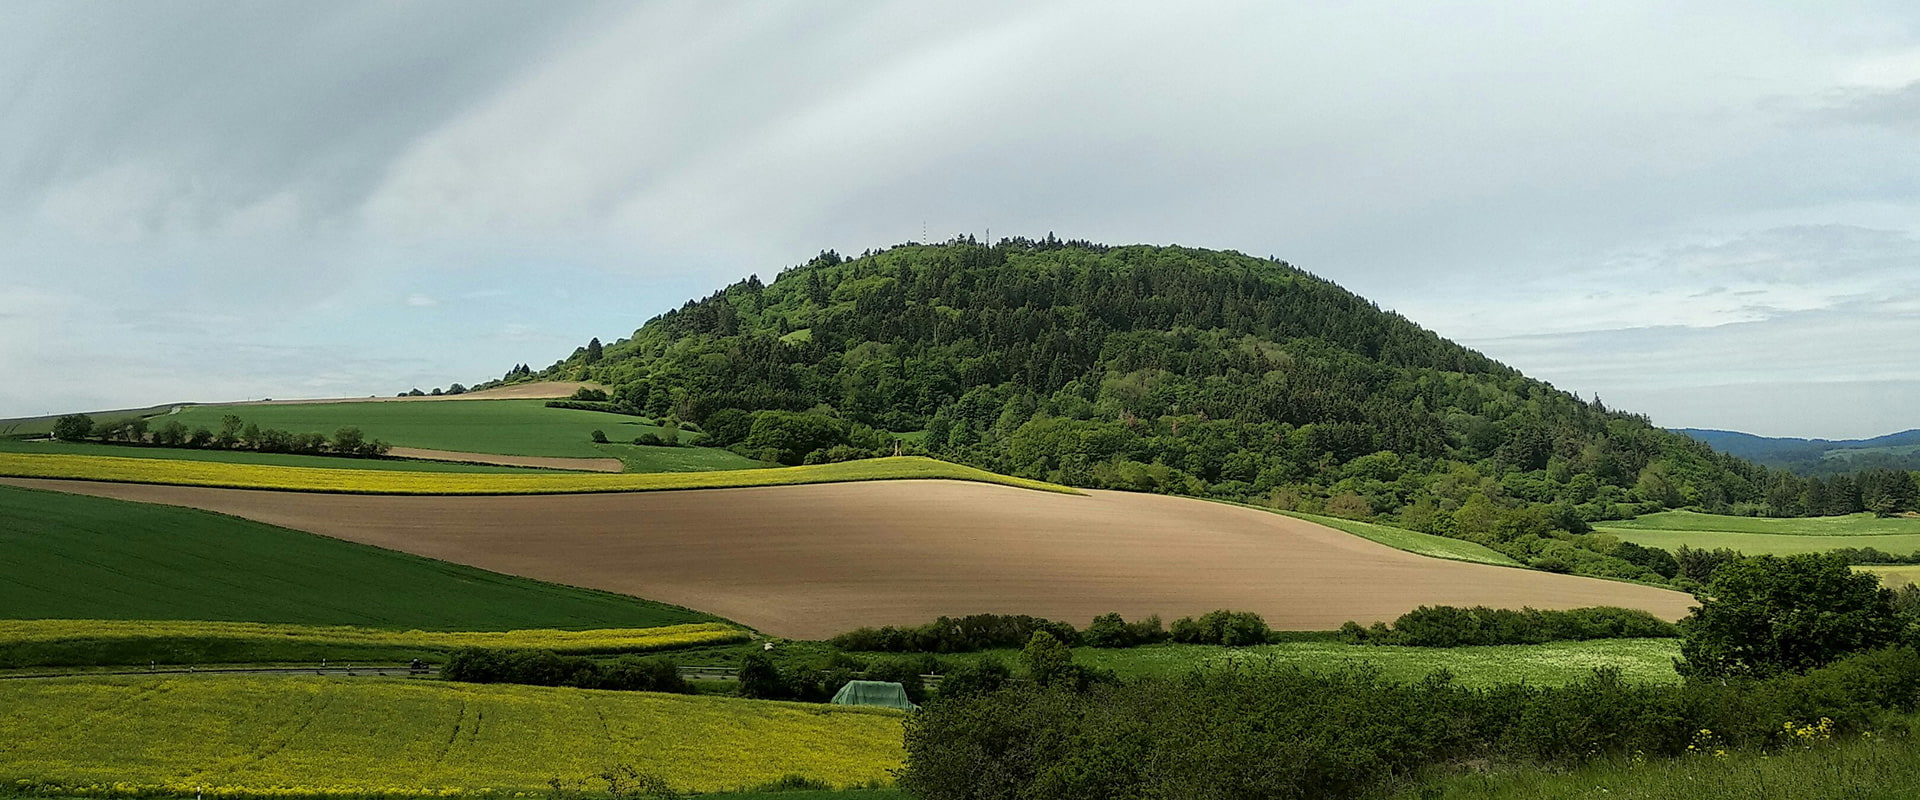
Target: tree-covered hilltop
{"type": "Point", "coordinates": [1163, 369]}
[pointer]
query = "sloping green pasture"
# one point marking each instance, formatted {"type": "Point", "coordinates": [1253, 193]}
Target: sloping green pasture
{"type": "Point", "coordinates": [1758, 536]}
{"type": "Point", "coordinates": [504, 427]}
{"type": "Point", "coordinates": [72, 557]}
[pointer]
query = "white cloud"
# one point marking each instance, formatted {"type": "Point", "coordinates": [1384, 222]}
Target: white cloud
{"type": "Point", "coordinates": [421, 301]}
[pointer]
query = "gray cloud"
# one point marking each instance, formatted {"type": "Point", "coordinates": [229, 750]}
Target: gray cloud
{"type": "Point", "coordinates": [1618, 196]}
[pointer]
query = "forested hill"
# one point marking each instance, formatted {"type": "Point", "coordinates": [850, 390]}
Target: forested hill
{"type": "Point", "coordinates": [1162, 369]}
{"type": "Point", "coordinates": [1896, 451]}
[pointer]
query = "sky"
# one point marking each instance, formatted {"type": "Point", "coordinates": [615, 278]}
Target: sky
{"type": "Point", "coordinates": [1705, 212]}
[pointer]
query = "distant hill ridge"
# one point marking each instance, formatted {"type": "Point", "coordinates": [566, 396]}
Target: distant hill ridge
{"type": "Point", "coordinates": [1817, 456]}
{"type": "Point", "coordinates": [1164, 369]}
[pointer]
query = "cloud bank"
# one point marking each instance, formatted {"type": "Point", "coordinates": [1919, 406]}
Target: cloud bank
{"type": "Point", "coordinates": [1705, 214]}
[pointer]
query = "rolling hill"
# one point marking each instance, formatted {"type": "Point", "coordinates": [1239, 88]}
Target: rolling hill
{"type": "Point", "coordinates": [1161, 369]}
{"type": "Point", "coordinates": [1899, 451]}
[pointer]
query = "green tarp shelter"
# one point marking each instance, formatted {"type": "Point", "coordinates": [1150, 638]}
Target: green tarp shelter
{"type": "Point", "coordinates": [874, 693]}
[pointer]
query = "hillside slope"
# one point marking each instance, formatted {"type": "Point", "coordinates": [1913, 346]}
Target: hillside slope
{"type": "Point", "coordinates": [817, 560]}
{"type": "Point", "coordinates": [1162, 369]}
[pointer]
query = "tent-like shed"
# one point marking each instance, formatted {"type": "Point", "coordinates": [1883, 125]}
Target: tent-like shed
{"type": "Point", "coordinates": [874, 693]}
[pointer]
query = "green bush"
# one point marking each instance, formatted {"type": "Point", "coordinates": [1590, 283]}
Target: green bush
{"type": "Point", "coordinates": [1450, 626]}
{"type": "Point", "coordinates": [956, 634]}
{"type": "Point", "coordinates": [1230, 628]}
{"type": "Point", "coordinates": [547, 668]}
{"type": "Point", "coordinates": [1259, 731]}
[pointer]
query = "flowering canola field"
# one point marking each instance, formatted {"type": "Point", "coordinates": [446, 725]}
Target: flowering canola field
{"type": "Point", "coordinates": [233, 737]}
{"type": "Point", "coordinates": [615, 640]}
{"type": "Point", "coordinates": [365, 481]}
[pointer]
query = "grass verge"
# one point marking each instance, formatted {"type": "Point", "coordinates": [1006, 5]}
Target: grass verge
{"type": "Point", "coordinates": [1425, 544]}
{"type": "Point", "coordinates": [308, 479]}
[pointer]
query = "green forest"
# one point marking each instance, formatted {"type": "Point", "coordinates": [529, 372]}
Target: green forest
{"type": "Point", "coordinates": [1183, 371]}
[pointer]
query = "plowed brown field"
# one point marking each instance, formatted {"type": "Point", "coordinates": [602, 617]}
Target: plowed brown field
{"type": "Point", "coordinates": [812, 561]}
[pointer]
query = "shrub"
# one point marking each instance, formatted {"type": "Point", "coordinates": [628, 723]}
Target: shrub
{"type": "Point", "coordinates": [547, 668]}
{"type": "Point", "coordinates": [956, 635]}
{"type": "Point", "coordinates": [599, 436]}
{"type": "Point", "coordinates": [1450, 626]}
{"type": "Point", "coordinates": [73, 427]}
{"type": "Point", "coordinates": [1278, 731]}
{"type": "Point", "coordinates": [1231, 628]}
{"type": "Point", "coordinates": [1770, 614]}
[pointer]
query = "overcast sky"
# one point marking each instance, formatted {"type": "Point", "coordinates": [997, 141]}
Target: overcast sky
{"type": "Point", "coordinates": [1707, 212]}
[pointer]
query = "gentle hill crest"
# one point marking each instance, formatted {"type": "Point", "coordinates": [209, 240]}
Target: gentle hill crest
{"type": "Point", "coordinates": [1163, 369]}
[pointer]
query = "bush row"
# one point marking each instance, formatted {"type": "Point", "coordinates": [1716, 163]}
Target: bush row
{"type": "Point", "coordinates": [1000, 631]}
{"type": "Point", "coordinates": [1280, 732]}
{"type": "Point", "coordinates": [762, 678]}
{"type": "Point", "coordinates": [1451, 626]}
{"type": "Point", "coordinates": [234, 434]}
{"type": "Point", "coordinates": [547, 668]}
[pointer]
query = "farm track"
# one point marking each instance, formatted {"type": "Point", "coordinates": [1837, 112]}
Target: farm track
{"type": "Point", "coordinates": [815, 560]}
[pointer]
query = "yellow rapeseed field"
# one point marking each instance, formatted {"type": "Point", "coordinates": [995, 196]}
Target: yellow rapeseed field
{"type": "Point", "coordinates": [359, 481]}
{"type": "Point", "coordinates": [618, 640]}
{"type": "Point", "coordinates": [237, 737]}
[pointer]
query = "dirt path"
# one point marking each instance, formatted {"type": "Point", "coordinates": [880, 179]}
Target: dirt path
{"type": "Point", "coordinates": [813, 561]}
{"type": "Point", "coordinates": [550, 462]}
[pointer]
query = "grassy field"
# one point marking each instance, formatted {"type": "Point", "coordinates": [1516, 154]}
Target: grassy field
{"type": "Point", "coordinates": [507, 427]}
{"type": "Point", "coordinates": [1425, 544]}
{"type": "Point", "coordinates": [1895, 576]}
{"type": "Point", "coordinates": [249, 457]}
{"type": "Point", "coordinates": [1756, 536]}
{"type": "Point", "coordinates": [1881, 768]}
{"type": "Point", "coordinates": [308, 479]}
{"type": "Point", "coordinates": [1645, 660]}
{"type": "Point", "coordinates": [67, 642]}
{"type": "Point", "coordinates": [287, 736]}
{"type": "Point", "coordinates": [1847, 526]}
{"type": "Point", "coordinates": [71, 557]}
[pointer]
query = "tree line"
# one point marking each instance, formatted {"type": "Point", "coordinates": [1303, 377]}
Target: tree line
{"type": "Point", "coordinates": [234, 434]}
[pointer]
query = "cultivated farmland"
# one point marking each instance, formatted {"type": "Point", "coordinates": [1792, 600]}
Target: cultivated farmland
{"type": "Point", "coordinates": [812, 561]}
{"type": "Point", "coordinates": [1756, 535]}
{"type": "Point", "coordinates": [306, 479]}
{"type": "Point", "coordinates": [66, 556]}
{"type": "Point", "coordinates": [251, 737]}
{"type": "Point", "coordinates": [503, 427]}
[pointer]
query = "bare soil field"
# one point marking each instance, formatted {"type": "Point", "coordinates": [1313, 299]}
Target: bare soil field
{"type": "Point", "coordinates": [549, 462]}
{"type": "Point", "coordinates": [813, 561]}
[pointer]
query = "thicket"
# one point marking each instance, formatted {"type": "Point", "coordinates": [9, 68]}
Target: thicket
{"type": "Point", "coordinates": [547, 668]}
{"type": "Point", "coordinates": [956, 634]}
{"type": "Point", "coordinates": [1452, 626]}
{"type": "Point", "coordinates": [1003, 631]}
{"type": "Point", "coordinates": [1172, 370]}
{"type": "Point", "coordinates": [1268, 731]}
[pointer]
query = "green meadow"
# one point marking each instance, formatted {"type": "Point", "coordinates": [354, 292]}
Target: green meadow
{"type": "Point", "coordinates": [71, 557]}
{"type": "Point", "coordinates": [1551, 664]}
{"type": "Point", "coordinates": [1757, 535]}
{"type": "Point", "coordinates": [504, 427]}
